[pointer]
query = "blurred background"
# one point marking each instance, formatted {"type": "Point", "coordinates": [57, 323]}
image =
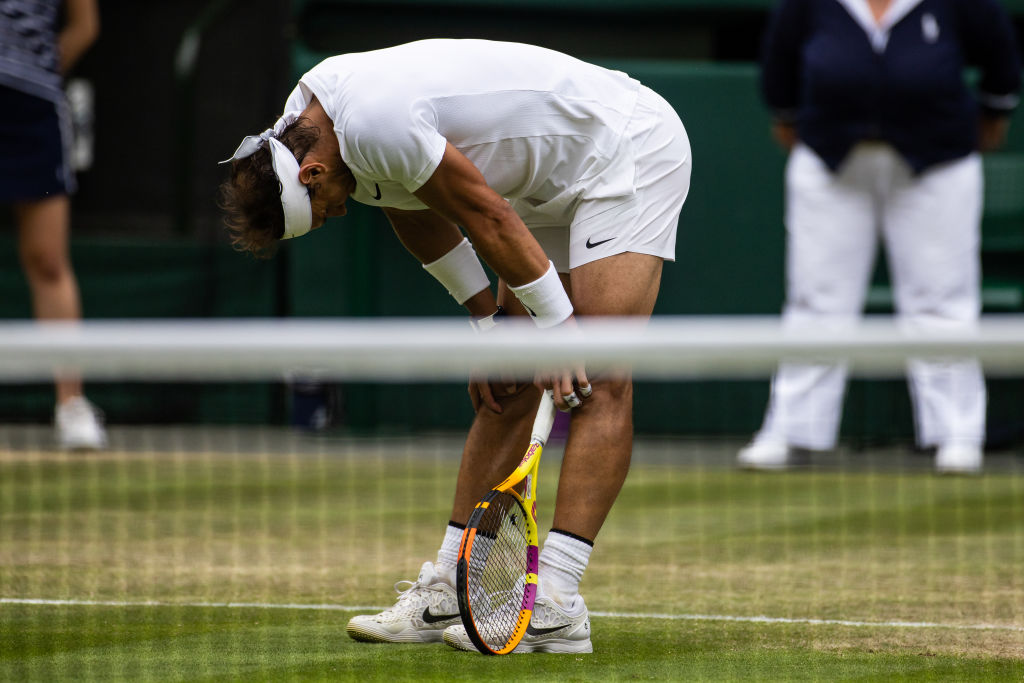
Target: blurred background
{"type": "Point", "coordinates": [175, 85]}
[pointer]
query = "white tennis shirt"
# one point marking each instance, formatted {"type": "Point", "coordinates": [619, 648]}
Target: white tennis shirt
{"type": "Point", "coordinates": [543, 128]}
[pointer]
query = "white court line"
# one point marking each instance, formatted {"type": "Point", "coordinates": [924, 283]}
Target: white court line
{"type": "Point", "coordinates": [615, 615]}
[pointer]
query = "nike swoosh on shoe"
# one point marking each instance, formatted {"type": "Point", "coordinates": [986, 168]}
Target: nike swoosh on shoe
{"type": "Point", "coordinates": [429, 618]}
{"type": "Point", "coordinates": [530, 630]}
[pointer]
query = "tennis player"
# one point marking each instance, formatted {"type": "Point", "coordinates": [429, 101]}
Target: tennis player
{"type": "Point", "coordinates": [568, 180]}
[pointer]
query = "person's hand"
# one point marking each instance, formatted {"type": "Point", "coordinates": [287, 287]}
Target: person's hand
{"type": "Point", "coordinates": [569, 389]}
{"type": "Point", "coordinates": [569, 386]}
{"type": "Point", "coordinates": [784, 134]}
{"type": "Point", "coordinates": [486, 392]}
{"type": "Point", "coordinates": [992, 132]}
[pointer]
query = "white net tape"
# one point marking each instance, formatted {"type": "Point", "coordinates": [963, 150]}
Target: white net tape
{"type": "Point", "coordinates": [445, 349]}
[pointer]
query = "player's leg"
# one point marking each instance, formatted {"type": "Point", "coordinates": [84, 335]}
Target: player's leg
{"type": "Point", "coordinates": [596, 457]}
{"type": "Point", "coordinates": [830, 249]}
{"type": "Point", "coordinates": [493, 447]}
{"type": "Point", "coordinates": [933, 236]}
{"type": "Point", "coordinates": [595, 461]}
{"type": "Point", "coordinates": [597, 453]}
{"type": "Point", "coordinates": [616, 252]}
{"type": "Point", "coordinates": [496, 441]}
{"type": "Point", "coordinates": [43, 246]}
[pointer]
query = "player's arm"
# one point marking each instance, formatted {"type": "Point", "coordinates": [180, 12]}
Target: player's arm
{"type": "Point", "coordinates": [438, 244]}
{"type": "Point", "coordinates": [458, 191]}
{"type": "Point", "coordinates": [81, 28]}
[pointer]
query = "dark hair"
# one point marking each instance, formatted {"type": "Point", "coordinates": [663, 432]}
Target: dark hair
{"type": "Point", "coordinates": [251, 196]}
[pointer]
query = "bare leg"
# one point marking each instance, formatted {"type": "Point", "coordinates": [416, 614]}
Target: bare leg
{"type": "Point", "coordinates": [598, 452]}
{"type": "Point", "coordinates": [44, 228]}
{"type": "Point", "coordinates": [496, 442]}
{"type": "Point", "coordinates": [600, 445]}
{"type": "Point", "coordinates": [495, 445]}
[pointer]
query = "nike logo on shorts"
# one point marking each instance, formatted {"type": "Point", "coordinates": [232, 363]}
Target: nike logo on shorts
{"type": "Point", "coordinates": [376, 187]}
{"type": "Point", "coordinates": [591, 245]}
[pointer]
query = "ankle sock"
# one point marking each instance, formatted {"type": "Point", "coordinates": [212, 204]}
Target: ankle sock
{"type": "Point", "coordinates": [448, 554]}
{"type": "Point", "coordinates": [563, 560]}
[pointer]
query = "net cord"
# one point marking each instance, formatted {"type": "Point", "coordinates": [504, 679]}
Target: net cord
{"type": "Point", "coordinates": [445, 349]}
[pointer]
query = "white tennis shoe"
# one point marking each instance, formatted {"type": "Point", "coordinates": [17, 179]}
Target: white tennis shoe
{"type": "Point", "coordinates": [958, 459]}
{"type": "Point", "coordinates": [765, 454]}
{"type": "Point", "coordinates": [552, 628]}
{"type": "Point", "coordinates": [79, 425]}
{"type": "Point", "coordinates": [424, 609]}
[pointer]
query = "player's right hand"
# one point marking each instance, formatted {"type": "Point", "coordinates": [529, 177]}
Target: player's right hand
{"type": "Point", "coordinates": [487, 392]}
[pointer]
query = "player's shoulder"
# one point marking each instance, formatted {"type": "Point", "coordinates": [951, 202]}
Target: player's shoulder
{"type": "Point", "coordinates": [380, 116]}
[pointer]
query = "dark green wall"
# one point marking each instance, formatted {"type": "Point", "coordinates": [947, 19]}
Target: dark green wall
{"type": "Point", "coordinates": [697, 53]}
{"type": "Point", "coordinates": [729, 261]}
{"type": "Point", "coordinates": [154, 279]}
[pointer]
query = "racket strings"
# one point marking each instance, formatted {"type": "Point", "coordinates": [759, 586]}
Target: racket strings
{"type": "Point", "coordinates": [497, 568]}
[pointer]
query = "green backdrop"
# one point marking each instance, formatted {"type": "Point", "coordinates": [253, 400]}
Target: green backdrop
{"type": "Point", "coordinates": [729, 260]}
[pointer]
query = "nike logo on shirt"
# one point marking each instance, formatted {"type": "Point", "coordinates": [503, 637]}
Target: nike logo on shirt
{"type": "Point", "coordinates": [376, 187]}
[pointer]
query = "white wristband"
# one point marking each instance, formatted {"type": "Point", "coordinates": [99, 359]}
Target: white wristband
{"type": "Point", "coordinates": [460, 272]}
{"type": "Point", "coordinates": [488, 322]}
{"type": "Point", "coordinates": [545, 299]}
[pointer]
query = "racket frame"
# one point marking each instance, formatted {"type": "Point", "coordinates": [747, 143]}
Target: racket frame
{"type": "Point", "coordinates": [526, 470]}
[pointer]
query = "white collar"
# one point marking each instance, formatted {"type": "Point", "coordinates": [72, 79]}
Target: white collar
{"type": "Point", "coordinates": [878, 31]}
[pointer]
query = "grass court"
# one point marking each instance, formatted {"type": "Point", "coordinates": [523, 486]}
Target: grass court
{"type": "Point", "coordinates": [242, 555]}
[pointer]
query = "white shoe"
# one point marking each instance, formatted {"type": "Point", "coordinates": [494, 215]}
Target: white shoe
{"type": "Point", "coordinates": [764, 454]}
{"type": "Point", "coordinates": [424, 609]}
{"type": "Point", "coordinates": [552, 628]}
{"type": "Point", "coordinates": [958, 459]}
{"type": "Point", "coordinates": [79, 425]}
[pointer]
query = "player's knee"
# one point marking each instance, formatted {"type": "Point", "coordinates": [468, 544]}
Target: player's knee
{"type": "Point", "coordinates": [612, 390]}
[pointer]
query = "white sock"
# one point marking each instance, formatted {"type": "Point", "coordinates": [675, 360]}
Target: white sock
{"type": "Point", "coordinates": [563, 559]}
{"type": "Point", "coordinates": [448, 554]}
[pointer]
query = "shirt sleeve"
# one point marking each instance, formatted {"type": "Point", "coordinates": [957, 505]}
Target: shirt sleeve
{"type": "Point", "coordinates": [780, 58]}
{"type": "Point", "coordinates": [397, 142]}
{"type": "Point", "coordinates": [990, 43]}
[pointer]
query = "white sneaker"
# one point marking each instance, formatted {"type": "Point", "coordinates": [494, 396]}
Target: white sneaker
{"type": "Point", "coordinates": [764, 454]}
{"type": "Point", "coordinates": [552, 628]}
{"type": "Point", "coordinates": [79, 425]}
{"type": "Point", "coordinates": [424, 609]}
{"type": "Point", "coordinates": [958, 459]}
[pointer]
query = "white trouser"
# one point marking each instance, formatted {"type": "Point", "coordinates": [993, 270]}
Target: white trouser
{"type": "Point", "coordinates": [930, 226]}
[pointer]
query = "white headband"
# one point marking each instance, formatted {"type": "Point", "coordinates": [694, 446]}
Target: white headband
{"type": "Point", "coordinates": [298, 212]}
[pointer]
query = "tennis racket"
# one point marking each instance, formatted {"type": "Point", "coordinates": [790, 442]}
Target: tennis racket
{"type": "Point", "coordinates": [496, 575]}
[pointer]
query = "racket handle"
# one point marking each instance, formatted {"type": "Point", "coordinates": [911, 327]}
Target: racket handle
{"type": "Point", "coordinates": [545, 418]}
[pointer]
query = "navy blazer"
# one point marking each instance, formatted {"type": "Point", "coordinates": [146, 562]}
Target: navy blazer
{"type": "Point", "coordinates": [843, 80]}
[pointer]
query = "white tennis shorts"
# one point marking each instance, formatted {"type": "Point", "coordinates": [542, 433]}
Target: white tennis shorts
{"type": "Point", "coordinates": [644, 222]}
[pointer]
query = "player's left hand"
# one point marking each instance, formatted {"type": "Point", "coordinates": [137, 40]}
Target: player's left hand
{"type": "Point", "coordinates": [569, 386]}
{"type": "Point", "coordinates": [569, 389]}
